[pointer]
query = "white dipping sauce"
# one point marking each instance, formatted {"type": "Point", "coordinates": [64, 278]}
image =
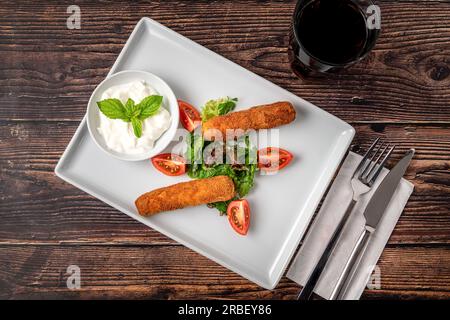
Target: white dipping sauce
{"type": "Point", "coordinates": [118, 134]}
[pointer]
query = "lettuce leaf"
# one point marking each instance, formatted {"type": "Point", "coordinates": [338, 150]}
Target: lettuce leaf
{"type": "Point", "coordinates": [218, 107]}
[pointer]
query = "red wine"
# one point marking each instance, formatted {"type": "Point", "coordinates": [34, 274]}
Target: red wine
{"type": "Point", "coordinates": [332, 31]}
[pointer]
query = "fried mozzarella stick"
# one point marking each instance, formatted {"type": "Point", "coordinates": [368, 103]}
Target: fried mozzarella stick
{"type": "Point", "coordinates": [185, 194]}
{"type": "Point", "coordinates": [260, 117]}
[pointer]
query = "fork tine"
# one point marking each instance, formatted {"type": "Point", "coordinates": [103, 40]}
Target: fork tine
{"type": "Point", "coordinates": [369, 166]}
{"type": "Point", "coordinates": [381, 165]}
{"type": "Point", "coordinates": [366, 155]}
{"type": "Point", "coordinates": [373, 165]}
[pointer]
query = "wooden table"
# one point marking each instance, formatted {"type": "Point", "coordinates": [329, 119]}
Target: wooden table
{"type": "Point", "coordinates": [47, 73]}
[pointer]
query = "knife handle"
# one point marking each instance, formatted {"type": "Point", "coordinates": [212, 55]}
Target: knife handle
{"type": "Point", "coordinates": [314, 277]}
{"type": "Point", "coordinates": [351, 265]}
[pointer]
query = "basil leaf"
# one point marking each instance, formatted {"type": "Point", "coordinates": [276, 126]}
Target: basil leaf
{"type": "Point", "coordinates": [130, 107]}
{"type": "Point", "coordinates": [137, 127]}
{"type": "Point", "coordinates": [129, 104]}
{"type": "Point", "coordinates": [149, 106]}
{"type": "Point", "coordinates": [113, 109]}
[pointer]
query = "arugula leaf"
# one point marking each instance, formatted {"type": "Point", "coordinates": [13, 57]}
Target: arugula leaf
{"type": "Point", "coordinates": [247, 177]}
{"type": "Point", "coordinates": [149, 106]}
{"type": "Point", "coordinates": [222, 206]}
{"type": "Point", "coordinates": [202, 171]}
{"type": "Point", "coordinates": [113, 109]}
{"type": "Point", "coordinates": [137, 127]}
{"type": "Point", "coordinates": [244, 180]}
{"type": "Point", "coordinates": [219, 107]}
{"type": "Point", "coordinates": [242, 176]}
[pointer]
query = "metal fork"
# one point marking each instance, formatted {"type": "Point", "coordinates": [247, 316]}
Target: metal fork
{"type": "Point", "coordinates": [363, 178]}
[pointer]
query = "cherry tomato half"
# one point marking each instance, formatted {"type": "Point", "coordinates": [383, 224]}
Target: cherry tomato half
{"type": "Point", "coordinates": [189, 116]}
{"type": "Point", "coordinates": [169, 164]}
{"type": "Point", "coordinates": [238, 212]}
{"type": "Point", "coordinates": [273, 159]}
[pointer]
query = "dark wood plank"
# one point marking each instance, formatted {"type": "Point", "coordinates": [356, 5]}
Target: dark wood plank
{"type": "Point", "coordinates": [176, 272]}
{"type": "Point", "coordinates": [50, 71]}
{"type": "Point", "coordinates": [38, 207]}
{"type": "Point", "coordinates": [401, 92]}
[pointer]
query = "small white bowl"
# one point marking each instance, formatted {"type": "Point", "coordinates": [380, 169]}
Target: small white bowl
{"type": "Point", "coordinates": [169, 102]}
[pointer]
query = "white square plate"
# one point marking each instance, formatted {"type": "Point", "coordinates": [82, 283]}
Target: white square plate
{"type": "Point", "coordinates": [282, 205]}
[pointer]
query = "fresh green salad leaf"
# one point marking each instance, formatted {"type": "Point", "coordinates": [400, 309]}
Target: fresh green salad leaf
{"type": "Point", "coordinates": [203, 171]}
{"type": "Point", "coordinates": [219, 107]}
{"type": "Point", "coordinates": [222, 206]}
{"type": "Point", "coordinates": [131, 112]}
{"type": "Point", "coordinates": [242, 174]}
{"type": "Point", "coordinates": [244, 180]}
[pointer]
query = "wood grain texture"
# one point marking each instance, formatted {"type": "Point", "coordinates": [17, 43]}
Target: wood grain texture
{"type": "Point", "coordinates": [171, 272]}
{"type": "Point", "coordinates": [39, 207]}
{"type": "Point", "coordinates": [51, 71]}
{"type": "Point", "coordinates": [401, 92]}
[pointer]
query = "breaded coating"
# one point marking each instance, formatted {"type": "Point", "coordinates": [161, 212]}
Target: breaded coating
{"type": "Point", "coordinates": [185, 194]}
{"type": "Point", "coordinates": [260, 117]}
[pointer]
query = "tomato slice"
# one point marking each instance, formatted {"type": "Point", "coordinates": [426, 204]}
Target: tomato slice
{"type": "Point", "coordinates": [273, 159]}
{"type": "Point", "coordinates": [189, 116]}
{"type": "Point", "coordinates": [238, 212]}
{"type": "Point", "coordinates": [170, 164]}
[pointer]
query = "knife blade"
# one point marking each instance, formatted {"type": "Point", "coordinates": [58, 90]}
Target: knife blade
{"type": "Point", "coordinates": [372, 213]}
{"type": "Point", "coordinates": [383, 195]}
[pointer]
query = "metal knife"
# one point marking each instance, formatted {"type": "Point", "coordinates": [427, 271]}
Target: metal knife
{"type": "Point", "coordinates": [373, 213]}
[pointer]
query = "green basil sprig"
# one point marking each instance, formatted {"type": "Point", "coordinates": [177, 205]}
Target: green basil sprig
{"type": "Point", "coordinates": [131, 112]}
